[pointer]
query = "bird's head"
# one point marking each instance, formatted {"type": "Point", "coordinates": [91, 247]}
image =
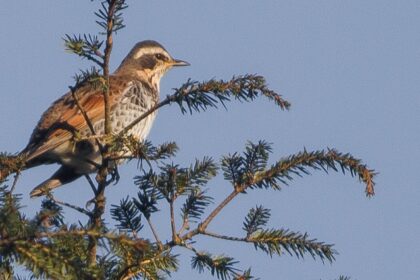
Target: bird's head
{"type": "Point", "coordinates": [149, 61]}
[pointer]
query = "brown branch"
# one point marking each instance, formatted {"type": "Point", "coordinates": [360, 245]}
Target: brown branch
{"type": "Point", "coordinates": [98, 211]}
{"type": "Point", "coordinates": [175, 237]}
{"type": "Point", "coordinates": [107, 56]}
{"type": "Point", "coordinates": [201, 228]}
{"type": "Point", "coordinates": [86, 117]}
{"type": "Point", "coordinates": [185, 225]}
{"type": "Point", "coordinates": [74, 207]}
{"type": "Point", "coordinates": [100, 201]}
{"type": "Point", "coordinates": [79, 106]}
{"type": "Point", "coordinates": [92, 185]}
{"type": "Point", "coordinates": [15, 181]}
{"type": "Point", "coordinates": [225, 237]}
{"type": "Point", "coordinates": [155, 234]}
{"type": "Point", "coordinates": [127, 273]}
{"type": "Point", "coordinates": [94, 59]}
{"type": "Point", "coordinates": [166, 101]}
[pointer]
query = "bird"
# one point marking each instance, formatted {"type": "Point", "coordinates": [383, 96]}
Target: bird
{"type": "Point", "coordinates": [133, 89]}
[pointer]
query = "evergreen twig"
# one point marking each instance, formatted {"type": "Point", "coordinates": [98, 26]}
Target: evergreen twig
{"type": "Point", "coordinates": [199, 96]}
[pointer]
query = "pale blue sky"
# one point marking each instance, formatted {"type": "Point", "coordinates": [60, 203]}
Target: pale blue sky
{"type": "Point", "coordinates": [350, 69]}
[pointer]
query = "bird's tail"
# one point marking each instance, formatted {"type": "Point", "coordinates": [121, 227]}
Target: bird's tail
{"type": "Point", "coordinates": [10, 164]}
{"type": "Point", "coordinates": [62, 176]}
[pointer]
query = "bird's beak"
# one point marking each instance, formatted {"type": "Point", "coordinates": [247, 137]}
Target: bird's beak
{"type": "Point", "coordinates": [178, 62]}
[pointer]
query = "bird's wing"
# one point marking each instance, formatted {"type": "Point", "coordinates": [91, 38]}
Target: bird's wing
{"type": "Point", "coordinates": [63, 118]}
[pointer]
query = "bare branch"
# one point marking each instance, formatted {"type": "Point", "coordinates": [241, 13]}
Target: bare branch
{"type": "Point", "coordinates": [154, 232]}
{"type": "Point", "coordinates": [74, 207]}
{"type": "Point", "coordinates": [82, 111]}
{"type": "Point", "coordinates": [15, 181]}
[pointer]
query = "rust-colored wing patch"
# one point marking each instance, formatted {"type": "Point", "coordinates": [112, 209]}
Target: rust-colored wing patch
{"type": "Point", "coordinates": [63, 118]}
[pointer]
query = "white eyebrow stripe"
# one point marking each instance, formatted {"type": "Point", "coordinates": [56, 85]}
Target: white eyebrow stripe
{"type": "Point", "coordinates": [150, 50]}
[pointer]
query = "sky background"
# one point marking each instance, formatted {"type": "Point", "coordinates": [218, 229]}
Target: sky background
{"type": "Point", "coordinates": [349, 68]}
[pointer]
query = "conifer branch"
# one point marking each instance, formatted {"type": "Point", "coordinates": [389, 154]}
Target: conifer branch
{"type": "Point", "coordinates": [224, 237]}
{"type": "Point", "coordinates": [15, 180]}
{"type": "Point", "coordinates": [255, 220]}
{"type": "Point", "coordinates": [297, 164]}
{"type": "Point", "coordinates": [245, 275]}
{"type": "Point", "coordinates": [49, 248]}
{"type": "Point", "coordinates": [221, 266]}
{"type": "Point", "coordinates": [71, 206]}
{"type": "Point", "coordinates": [10, 164]}
{"type": "Point", "coordinates": [127, 216]}
{"type": "Point", "coordinates": [199, 96]}
{"type": "Point", "coordinates": [88, 77]}
{"type": "Point", "coordinates": [139, 244]}
{"type": "Point", "coordinates": [150, 267]}
{"type": "Point", "coordinates": [83, 112]}
{"type": "Point", "coordinates": [194, 205]}
{"type": "Point", "coordinates": [173, 226]}
{"type": "Point", "coordinates": [112, 21]}
{"type": "Point", "coordinates": [91, 184]}
{"type": "Point", "coordinates": [143, 150]}
{"type": "Point", "coordinates": [274, 241]}
{"type": "Point", "coordinates": [29, 257]}
{"type": "Point", "coordinates": [86, 46]}
{"type": "Point", "coordinates": [203, 226]}
{"type": "Point", "coordinates": [110, 9]}
{"type": "Point", "coordinates": [155, 233]}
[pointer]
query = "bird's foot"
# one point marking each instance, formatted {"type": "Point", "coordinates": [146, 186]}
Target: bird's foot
{"type": "Point", "coordinates": [115, 175]}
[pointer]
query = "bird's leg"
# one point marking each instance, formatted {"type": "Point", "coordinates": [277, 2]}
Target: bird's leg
{"type": "Point", "coordinates": [113, 171]}
{"type": "Point", "coordinates": [92, 185]}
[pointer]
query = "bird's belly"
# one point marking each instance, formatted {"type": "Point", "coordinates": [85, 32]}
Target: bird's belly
{"type": "Point", "coordinates": [142, 129]}
{"type": "Point", "coordinates": [123, 116]}
{"type": "Point", "coordinates": [83, 165]}
{"type": "Point", "coordinates": [83, 157]}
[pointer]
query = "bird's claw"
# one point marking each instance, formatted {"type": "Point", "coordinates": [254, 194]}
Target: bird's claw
{"type": "Point", "coordinates": [115, 175]}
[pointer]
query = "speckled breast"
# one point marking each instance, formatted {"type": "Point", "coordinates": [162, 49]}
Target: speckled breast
{"type": "Point", "coordinates": [134, 102]}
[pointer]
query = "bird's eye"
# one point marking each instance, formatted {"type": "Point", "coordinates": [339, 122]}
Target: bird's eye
{"type": "Point", "coordinates": [160, 56]}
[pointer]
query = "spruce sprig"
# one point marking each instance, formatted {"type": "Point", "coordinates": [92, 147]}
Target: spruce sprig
{"type": "Point", "coordinates": [127, 216]}
{"type": "Point", "coordinates": [274, 241]}
{"type": "Point", "coordinates": [198, 96]}
{"type": "Point", "coordinates": [221, 266]}
{"type": "Point", "coordinates": [257, 218]}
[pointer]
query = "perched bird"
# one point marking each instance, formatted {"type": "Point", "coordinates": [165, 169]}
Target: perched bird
{"type": "Point", "coordinates": [133, 89]}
